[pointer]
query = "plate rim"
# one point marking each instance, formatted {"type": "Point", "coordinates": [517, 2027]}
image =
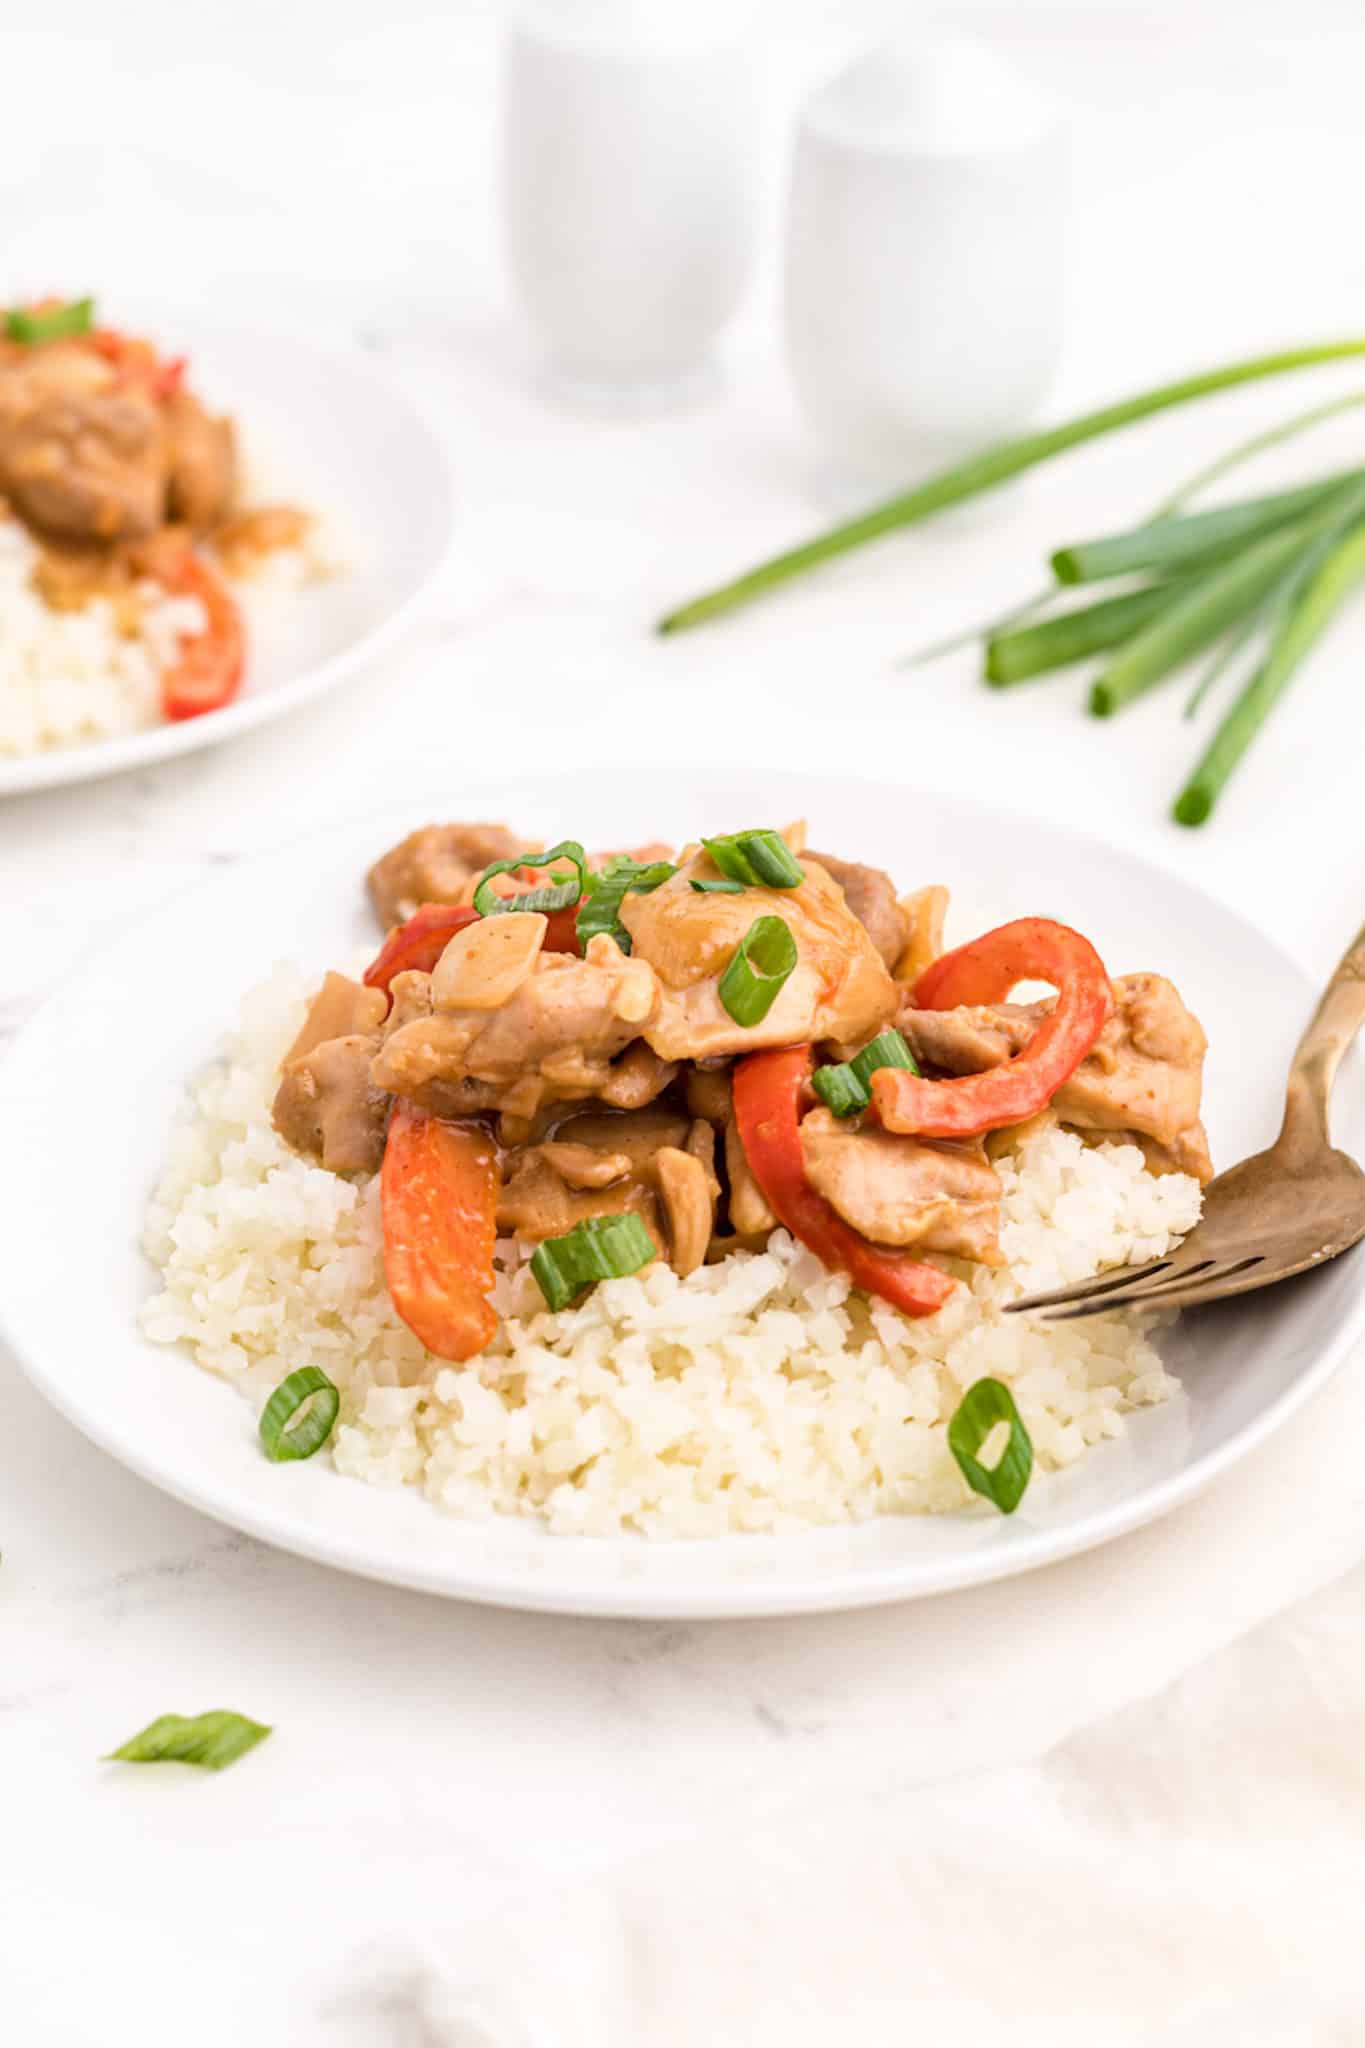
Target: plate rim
{"type": "Point", "coordinates": [850, 1587]}
{"type": "Point", "coordinates": [63, 767]}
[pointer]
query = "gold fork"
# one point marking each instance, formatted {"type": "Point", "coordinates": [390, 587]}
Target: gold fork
{"type": "Point", "coordinates": [1279, 1212]}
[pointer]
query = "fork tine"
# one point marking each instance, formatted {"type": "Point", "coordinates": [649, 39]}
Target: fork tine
{"type": "Point", "coordinates": [1083, 1289]}
{"type": "Point", "coordinates": [1206, 1281]}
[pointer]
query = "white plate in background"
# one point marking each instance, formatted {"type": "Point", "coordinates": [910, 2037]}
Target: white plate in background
{"type": "Point", "coordinates": [90, 1088]}
{"type": "Point", "coordinates": [327, 429]}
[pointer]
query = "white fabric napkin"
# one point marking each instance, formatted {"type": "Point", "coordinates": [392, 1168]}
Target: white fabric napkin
{"type": "Point", "coordinates": [1183, 1868]}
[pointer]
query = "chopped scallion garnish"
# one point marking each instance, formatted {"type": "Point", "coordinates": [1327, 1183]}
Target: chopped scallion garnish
{"type": "Point", "coordinates": [718, 888]}
{"type": "Point", "coordinates": [607, 891]}
{"type": "Point", "coordinates": [757, 971]}
{"type": "Point", "coordinates": [50, 323]}
{"type": "Point", "coordinates": [983, 1407]}
{"type": "Point", "coordinates": [212, 1741]}
{"type": "Point", "coordinates": [761, 859]}
{"type": "Point", "coordinates": [847, 1088]}
{"type": "Point", "coordinates": [561, 892]}
{"type": "Point", "coordinates": [297, 1419]}
{"type": "Point", "coordinates": [599, 1248]}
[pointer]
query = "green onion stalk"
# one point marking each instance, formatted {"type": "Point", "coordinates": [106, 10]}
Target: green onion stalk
{"type": "Point", "coordinates": [994, 466]}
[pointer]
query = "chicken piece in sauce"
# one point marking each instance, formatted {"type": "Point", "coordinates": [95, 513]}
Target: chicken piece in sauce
{"type": "Point", "coordinates": [1143, 1079]}
{"type": "Point", "coordinates": [839, 990]}
{"type": "Point", "coordinates": [327, 1106]}
{"type": "Point", "coordinates": [870, 894]}
{"type": "Point", "coordinates": [201, 481]}
{"type": "Point", "coordinates": [83, 452]}
{"type": "Point", "coordinates": [438, 864]}
{"type": "Point", "coordinates": [551, 1037]}
{"type": "Point", "coordinates": [653, 1162]}
{"type": "Point", "coordinates": [905, 1191]}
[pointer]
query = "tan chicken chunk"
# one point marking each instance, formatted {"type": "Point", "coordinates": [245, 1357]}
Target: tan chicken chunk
{"type": "Point", "coordinates": [870, 894]}
{"type": "Point", "coordinates": [326, 1106]}
{"type": "Point", "coordinates": [438, 864]}
{"type": "Point", "coordinates": [202, 455]}
{"type": "Point", "coordinates": [651, 1162]}
{"type": "Point", "coordinates": [554, 1040]}
{"type": "Point", "coordinates": [905, 1191]}
{"type": "Point", "coordinates": [1142, 1080]}
{"type": "Point", "coordinates": [82, 453]}
{"type": "Point", "coordinates": [839, 988]}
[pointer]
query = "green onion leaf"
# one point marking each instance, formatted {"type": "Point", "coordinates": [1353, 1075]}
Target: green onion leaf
{"type": "Point", "coordinates": [760, 859]}
{"type": "Point", "coordinates": [1015, 656]}
{"type": "Point", "coordinates": [846, 1089]}
{"type": "Point", "coordinates": [718, 888]}
{"type": "Point", "coordinates": [213, 1741]}
{"type": "Point", "coordinates": [607, 891]}
{"type": "Point", "coordinates": [599, 1248]}
{"type": "Point", "coordinates": [297, 1419]}
{"type": "Point", "coordinates": [563, 890]}
{"type": "Point", "coordinates": [985, 471]}
{"type": "Point", "coordinates": [983, 1407]}
{"type": "Point", "coordinates": [51, 323]}
{"type": "Point", "coordinates": [758, 968]}
{"type": "Point", "coordinates": [1293, 635]}
{"type": "Point", "coordinates": [1198, 538]}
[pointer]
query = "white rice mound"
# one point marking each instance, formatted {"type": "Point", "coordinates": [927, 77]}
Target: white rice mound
{"type": "Point", "coordinates": [758, 1392]}
{"type": "Point", "coordinates": [72, 676]}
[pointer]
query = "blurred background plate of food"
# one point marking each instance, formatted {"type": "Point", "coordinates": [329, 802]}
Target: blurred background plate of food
{"type": "Point", "coordinates": [188, 546]}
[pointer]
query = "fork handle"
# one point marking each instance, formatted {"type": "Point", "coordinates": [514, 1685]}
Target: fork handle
{"type": "Point", "coordinates": [1332, 1028]}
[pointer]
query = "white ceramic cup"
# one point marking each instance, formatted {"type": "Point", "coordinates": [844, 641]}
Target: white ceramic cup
{"type": "Point", "coordinates": [630, 175]}
{"type": "Point", "coordinates": [923, 276]}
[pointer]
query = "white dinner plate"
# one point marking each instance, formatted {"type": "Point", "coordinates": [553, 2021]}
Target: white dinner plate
{"type": "Point", "coordinates": [89, 1091]}
{"type": "Point", "coordinates": [327, 429]}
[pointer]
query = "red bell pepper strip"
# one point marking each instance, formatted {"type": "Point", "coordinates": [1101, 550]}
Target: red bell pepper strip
{"type": "Point", "coordinates": [208, 673]}
{"type": "Point", "coordinates": [984, 971]}
{"type": "Point", "coordinates": [768, 1089]}
{"type": "Point", "coordinates": [439, 1192]}
{"type": "Point", "coordinates": [420, 942]}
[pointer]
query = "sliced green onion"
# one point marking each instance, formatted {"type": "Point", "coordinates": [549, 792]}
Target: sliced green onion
{"type": "Point", "coordinates": [986, 1404]}
{"type": "Point", "coordinates": [1295, 634]}
{"type": "Point", "coordinates": [51, 323]}
{"type": "Point", "coordinates": [757, 971]}
{"type": "Point", "coordinates": [600, 910]}
{"type": "Point", "coordinates": [760, 859]}
{"type": "Point", "coordinates": [1073, 636]}
{"type": "Point", "coordinates": [1028, 608]}
{"type": "Point", "coordinates": [1197, 618]}
{"type": "Point", "coordinates": [983, 472]}
{"type": "Point", "coordinates": [599, 1248]}
{"type": "Point", "coordinates": [847, 1088]}
{"type": "Point", "coordinates": [297, 1419]}
{"type": "Point", "coordinates": [562, 891]}
{"type": "Point", "coordinates": [1165, 544]}
{"type": "Point", "coordinates": [718, 888]}
{"type": "Point", "coordinates": [213, 1741]}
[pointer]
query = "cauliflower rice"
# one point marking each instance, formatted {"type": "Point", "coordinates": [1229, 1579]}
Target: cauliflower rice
{"type": "Point", "coordinates": [757, 1392]}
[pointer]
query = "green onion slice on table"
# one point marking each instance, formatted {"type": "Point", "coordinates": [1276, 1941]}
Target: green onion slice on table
{"type": "Point", "coordinates": [847, 1088]}
{"type": "Point", "coordinates": [983, 1407]}
{"type": "Point", "coordinates": [212, 1741]}
{"type": "Point", "coordinates": [607, 891]}
{"type": "Point", "coordinates": [558, 894]}
{"type": "Point", "coordinates": [50, 323]}
{"type": "Point", "coordinates": [758, 969]}
{"type": "Point", "coordinates": [297, 1419]}
{"type": "Point", "coordinates": [760, 859]}
{"type": "Point", "coordinates": [599, 1248]}
{"type": "Point", "coordinates": [1198, 537]}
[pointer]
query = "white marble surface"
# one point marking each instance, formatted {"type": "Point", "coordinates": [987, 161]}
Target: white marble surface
{"type": "Point", "coordinates": [434, 1765]}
